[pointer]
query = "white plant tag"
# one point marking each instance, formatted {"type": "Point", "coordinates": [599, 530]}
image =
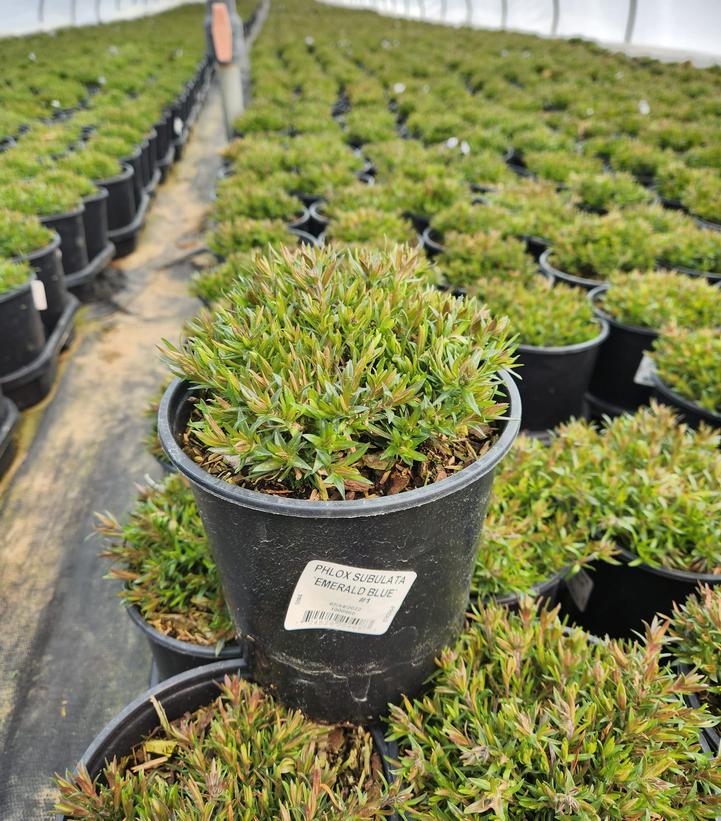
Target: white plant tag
{"type": "Point", "coordinates": [644, 372]}
{"type": "Point", "coordinates": [580, 587]}
{"type": "Point", "coordinates": [330, 596]}
{"type": "Point", "coordinates": [39, 297]}
{"type": "Point", "coordinates": [177, 126]}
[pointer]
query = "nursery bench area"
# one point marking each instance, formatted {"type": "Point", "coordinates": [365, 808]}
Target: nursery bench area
{"type": "Point", "coordinates": [388, 455]}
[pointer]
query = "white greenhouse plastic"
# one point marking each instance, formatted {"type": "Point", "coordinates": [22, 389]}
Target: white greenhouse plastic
{"type": "Point", "coordinates": [44, 15]}
{"type": "Point", "coordinates": [670, 29]}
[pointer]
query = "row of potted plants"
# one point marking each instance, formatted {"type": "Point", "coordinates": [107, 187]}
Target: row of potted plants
{"type": "Point", "coordinates": [77, 171]}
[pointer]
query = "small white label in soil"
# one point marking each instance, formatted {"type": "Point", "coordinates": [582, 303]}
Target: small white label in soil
{"type": "Point", "coordinates": [39, 298]}
{"type": "Point", "coordinates": [178, 126]}
{"type": "Point", "coordinates": [580, 587]}
{"type": "Point", "coordinates": [644, 372]}
{"type": "Point", "coordinates": [330, 596]}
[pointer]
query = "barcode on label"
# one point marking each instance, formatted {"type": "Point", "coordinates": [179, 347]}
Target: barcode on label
{"type": "Point", "coordinates": [336, 618]}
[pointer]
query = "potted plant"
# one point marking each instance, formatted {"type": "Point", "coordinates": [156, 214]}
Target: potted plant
{"type": "Point", "coordinates": [369, 226]}
{"type": "Point", "coordinates": [559, 340]}
{"type": "Point", "coordinates": [560, 166]}
{"type": "Point", "coordinates": [637, 306]}
{"type": "Point", "coordinates": [691, 250]}
{"type": "Point", "coordinates": [22, 337]}
{"type": "Point", "coordinates": [60, 208]}
{"type": "Point", "coordinates": [369, 125]}
{"type": "Point", "coordinates": [527, 718]}
{"type": "Point", "coordinates": [237, 197]}
{"type": "Point", "coordinates": [323, 481]}
{"type": "Point", "coordinates": [468, 259]}
{"type": "Point", "coordinates": [703, 199]}
{"type": "Point", "coordinates": [25, 238]}
{"type": "Point", "coordinates": [601, 193]}
{"type": "Point", "coordinates": [222, 742]}
{"type": "Point", "coordinates": [592, 247]}
{"type": "Point", "coordinates": [687, 373]}
{"type": "Point", "coordinates": [464, 217]}
{"type": "Point", "coordinates": [171, 585]}
{"type": "Point", "coordinates": [531, 543]}
{"type": "Point", "coordinates": [211, 284]}
{"type": "Point", "coordinates": [649, 485]}
{"type": "Point", "coordinates": [243, 233]}
{"type": "Point", "coordinates": [695, 642]}
{"type": "Point", "coordinates": [423, 198]}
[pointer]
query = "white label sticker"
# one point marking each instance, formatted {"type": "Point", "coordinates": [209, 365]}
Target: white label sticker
{"type": "Point", "coordinates": [177, 126]}
{"type": "Point", "coordinates": [644, 372]}
{"type": "Point", "coordinates": [39, 297]}
{"type": "Point", "coordinates": [580, 587]}
{"type": "Point", "coordinates": [330, 596]}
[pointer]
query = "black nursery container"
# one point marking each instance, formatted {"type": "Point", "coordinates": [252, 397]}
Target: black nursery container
{"type": "Point", "coordinates": [22, 336]}
{"type": "Point", "coordinates": [182, 694]}
{"type": "Point", "coordinates": [691, 413]}
{"type": "Point", "coordinates": [618, 360]}
{"type": "Point", "coordinates": [9, 418]}
{"type": "Point", "coordinates": [404, 562]}
{"type": "Point", "coordinates": [71, 228]}
{"type": "Point", "coordinates": [553, 381]}
{"type": "Point", "coordinates": [95, 220]}
{"type": "Point", "coordinates": [546, 592]}
{"type": "Point", "coordinates": [544, 261]}
{"type": "Point", "coordinates": [47, 264]}
{"type": "Point", "coordinates": [172, 656]}
{"type": "Point", "coordinates": [121, 207]}
{"type": "Point", "coordinates": [617, 599]}
{"type": "Point", "coordinates": [135, 161]}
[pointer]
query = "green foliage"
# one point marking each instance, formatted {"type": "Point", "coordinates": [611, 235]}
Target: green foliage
{"type": "Point", "coordinates": [465, 217]}
{"type": "Point", "coordinates": [541, 313]}
{"type": "Point", "coordinates": [689, 362]}
{"type": "Point", "coordinates": [13, 275]}
{"type": "Point", "coordinates": [529, 720]}
{"type": "Point", "coordinates": [696, 639]}
{"type": "Point", "coordinates": [649, 485]}
{"type": "Point", "coordinates": [329, 364]}
{"type": "Point", "coordinates": [603, 192]}
{"type": "Point", "coordinates": [37, 197]}
{"type": "Point", "coordinates": [469, 258]}
{"type": "Point", "coordinates": [243, 756]}
{"type": "Point", "coordinates": [656, 299]}
{"type": "Point", "coordinates": [527, 535]}
{"type": "Point", "coordinates": [237, 197]}
{"type": "Point", "coordinates": [691, 247]}
{"type": "Point", "coordinates": [559, 166]}
{"type": "Point", "coordinates": [210, 285]}
{"type": "Point", "coordinates": [366, 125]}
{"type": "Point", "coordinates": [92, 164]}
{"type": "Point", "coordinates": [21, 234]}
{"type": "Point", "coordinates": [370, 226]}
{"type": "Point", "coordinates": [161, 554]}
{"type": "Point", "coordinates": [243, 234]}
{"type": "Point", "coordinates": [593, 247]}
{"type": "Point", "coordinates": [703, 197]}
{"type": "Point", "coordinates": [427, 196]}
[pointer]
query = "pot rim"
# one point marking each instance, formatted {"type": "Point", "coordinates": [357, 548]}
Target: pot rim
{"type": "Point", "coordinates": [99, 194]}
{"type": "Point", "coordinates": [53, 245]}
{"type": "Point", "coordinates": [536, 590]}
{"type": "Point", "coordinates": [692, 272]}
{"type": "Point", "coordinates": [73, 212]}
{"type": "Point", "coordinates": [686, 404]}
{"type": "Point", "coordinates": [125, 172]}
{"type": "Point", "coordinates": [336, 509]}
{"type": "Point", "coordinates": [188, 648]}
{"type": "Point", "coordinates": [561, 350]}
{"type": "Point", "coordinates": [543, 261]}
{"type": "Point", "coordinates": [601, 314]}
{"type": "Point", "coordinates": [670, 573]}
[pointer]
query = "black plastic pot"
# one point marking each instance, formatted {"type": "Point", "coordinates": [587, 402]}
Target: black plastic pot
{"type": "Point", "coordinates": [172, 656]}
{"type": "Point", "coordinates": [553, 381]}
{"type": "Point", "coordinates": [263, 543]}
{"type": "Point", "coordinates": [536, 246]}
{"type": "Point", "coordinates": [618, 359]}
{"type": "Point", "coordinates": [95, 220]}
{"type": "Point", "coordinates": [304, 238]}
{"type": "Point", "coordinates": [22, 336]}
{"type": "Point", "coordinates": [569, 279]}
{"type": "Point", "coordinates": [317, 221]}
{"type": "Point", "coordinates": [125, 238]}
{"type": "Point", "coordinates": [430, 242]}
{"type": "Point", "coordinates": [71, 229]}
{"type": "Point", "coordinates": [420, 221]}
{"type": "Point", "coordinates": [181, 694]}
{"type": "Point", "coordinates": [622, 596]}
{"type": "Point", "coordinates": [691, 413]}
{"type": "Point", "coordinates": [32, 382]}
{"type": "Point", "coordinates": [9, 418]}
{"type": "Point", "coordinates": [121, 207]}
{"type": "Point", "coordinates": [47, 264]}
{"type": "Point", "coordinates": [708, 224]}
{"type": "Point", "coordinates": [145, 163]}
{"type": "Point", "coordinates": [135, 161]}
{"type": "Point", "coordinates": [710, 736]}
{"type": "Point", "coordinates": [546, 592]}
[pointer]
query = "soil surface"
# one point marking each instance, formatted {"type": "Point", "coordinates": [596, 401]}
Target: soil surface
{"type": "Point", "coordinates": [69, 656]}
